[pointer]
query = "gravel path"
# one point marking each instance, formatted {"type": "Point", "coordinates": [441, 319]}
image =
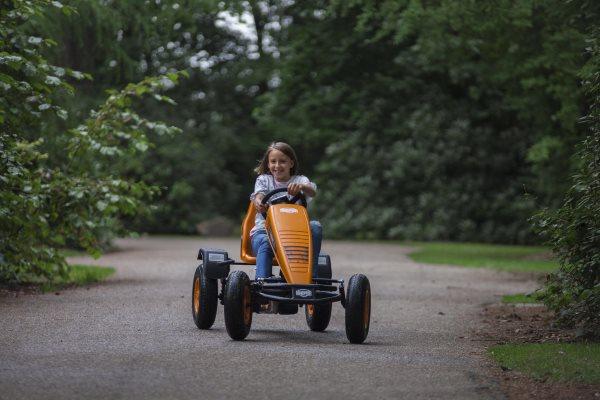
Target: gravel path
{"type": "Point", "coordinates": [133, 337]}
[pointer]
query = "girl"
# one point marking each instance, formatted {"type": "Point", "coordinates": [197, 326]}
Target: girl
{"type": "Point", "coordinates": [277, 169]}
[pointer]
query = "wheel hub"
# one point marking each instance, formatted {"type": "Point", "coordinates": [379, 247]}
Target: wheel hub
{"type": "Point", "coordinates": [197, 295]}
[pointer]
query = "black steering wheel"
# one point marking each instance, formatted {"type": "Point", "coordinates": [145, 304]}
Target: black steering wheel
{"type": "Point", "coordinates": [283, 199]}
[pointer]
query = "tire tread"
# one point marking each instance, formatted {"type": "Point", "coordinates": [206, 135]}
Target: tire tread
{"type": "Point", "coordinates": [233, 305]}
{"type": "Point", "coordinates": [208, 302]}
{"type": "Point", "coordinates": [358, 285]}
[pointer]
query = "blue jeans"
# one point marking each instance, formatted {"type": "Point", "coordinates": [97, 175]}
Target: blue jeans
{"type": "Point", "coordinates": [264, 253]}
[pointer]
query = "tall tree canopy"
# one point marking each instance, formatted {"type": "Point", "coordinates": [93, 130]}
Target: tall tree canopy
{"type": "Point", "coordinates": [449, 120]}
{"type": "Point", "coordinates": [205, 171]}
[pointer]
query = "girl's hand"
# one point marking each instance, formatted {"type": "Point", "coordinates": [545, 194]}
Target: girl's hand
{"type": "Point", "coordinates": [260, 207]}
{"type": "Point", "coordinates": [295, 188]}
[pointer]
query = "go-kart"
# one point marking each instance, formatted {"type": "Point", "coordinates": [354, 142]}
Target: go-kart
{"type": "Point", "coordinates": [288, 230]}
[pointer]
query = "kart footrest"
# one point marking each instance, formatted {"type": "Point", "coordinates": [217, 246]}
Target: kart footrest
{"type": "Point", "coordinates": [300, 294]}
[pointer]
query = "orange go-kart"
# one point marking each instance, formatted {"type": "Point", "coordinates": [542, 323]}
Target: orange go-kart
{"type": "Point", "coordinates": [288, 230]}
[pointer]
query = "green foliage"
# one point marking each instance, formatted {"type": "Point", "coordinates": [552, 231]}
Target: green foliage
{"type": "Point", "coordinates": [564, 362]}
{"type": "Point", "coordinates": [78, 275]}
{"type": "Point", "coordinates": [26, 79]}
{"type": "Point", "coordinates": [448, 120]}
{"type": "Point", "coordinates": [477, 255]}
{"type": "Point", "coordinates": [574, 229]}
{"type": "Point", "coordinates": [205, 171]}
{"type": "Point", "coordinates": [75, 198]}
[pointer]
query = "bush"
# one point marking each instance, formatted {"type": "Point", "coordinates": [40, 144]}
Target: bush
{"type": "Point", "coordinates": [75, 197]}
{"type": "Point", "coordinates": [574, 229]}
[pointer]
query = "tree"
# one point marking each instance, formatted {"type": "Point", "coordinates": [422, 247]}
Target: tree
{"type": "Point", "coordinates": [574, 229]}
{"type": "Point", "coordinates": [206, 171]}
{"type": "Point", "coordinates": [445, 121]}
{"type": "Point", "coordinates": [43, 203]}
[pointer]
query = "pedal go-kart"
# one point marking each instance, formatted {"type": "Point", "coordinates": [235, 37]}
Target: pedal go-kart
{"type": "Point", "coordinates": [288, 229]}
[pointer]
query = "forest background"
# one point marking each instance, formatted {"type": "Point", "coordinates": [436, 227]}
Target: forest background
{"type": "Point", "coordinates": [444, 120]}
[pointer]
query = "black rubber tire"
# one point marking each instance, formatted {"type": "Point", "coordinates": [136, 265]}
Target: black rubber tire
{"type": "Point", "coordinates": [204, 299]}
{"type": "Point", "coordinates": [358, 308]}
{"type": "Point", "coordinates": [238, 305]}
{"type": "Point", "coordinates": [318, 320]}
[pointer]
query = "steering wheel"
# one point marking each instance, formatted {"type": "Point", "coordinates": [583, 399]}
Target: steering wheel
{"type": "Point", "coordinates": [284, 199]}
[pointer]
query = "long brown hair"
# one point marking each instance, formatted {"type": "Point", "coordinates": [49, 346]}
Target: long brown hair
{"type": "Point", "coordinates": [263, 164]}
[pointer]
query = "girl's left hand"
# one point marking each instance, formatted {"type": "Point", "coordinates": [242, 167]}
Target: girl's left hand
{"type": "Point", "coordinates": [295, 188]}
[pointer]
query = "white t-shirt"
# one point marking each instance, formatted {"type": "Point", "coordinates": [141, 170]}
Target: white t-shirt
{"type": "Point", "coordinates": [265, 183]}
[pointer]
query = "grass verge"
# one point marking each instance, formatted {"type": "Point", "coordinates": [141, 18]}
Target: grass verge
{"type": "Point", "coordinates": [72, 253]}
{"type": "Point", "coordinates": [502, 257]}
{"type": "Point", "coordinates": [564, 362]}
{"type": "Point", "coordinates": [521, 298]}
{"type": "Point", "coordinates": [78, 275]}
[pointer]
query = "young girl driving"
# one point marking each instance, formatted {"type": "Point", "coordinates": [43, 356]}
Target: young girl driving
{"type": "Point", "coordinates": [278, 169]}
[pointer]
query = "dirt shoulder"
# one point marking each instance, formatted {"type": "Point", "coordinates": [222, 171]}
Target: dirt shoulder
{"type": "Point", "coordinates": [527, 323]}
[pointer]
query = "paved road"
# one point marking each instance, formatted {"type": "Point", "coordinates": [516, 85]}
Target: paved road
{"type": "Point", "coordinates": [133, 337]}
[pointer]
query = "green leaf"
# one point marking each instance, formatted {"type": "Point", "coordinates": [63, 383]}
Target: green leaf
{"type": "Point", "coordinates": [141, 146]}
{"type": "Point", "coordinates": [52, 80]}
{"type": "Point", "coordinates": [34, 40]}
{"type": "Point", "coordinates": [101, 205]}
{"type": "Point", "coordinates": [62, 114]}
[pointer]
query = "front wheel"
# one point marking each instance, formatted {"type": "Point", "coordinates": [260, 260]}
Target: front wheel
{"type": "Point", "coordinates": [238, 305]}
{"type": "Point", "coordinates": [318, 316]}
{"type": "Point", "coordinates": [358, 308]}
{"type": "Point", "coordinates": [204, 299]}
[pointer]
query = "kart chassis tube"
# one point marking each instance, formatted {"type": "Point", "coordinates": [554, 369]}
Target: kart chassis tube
{"type": "Point", "coordinates": [286, 293]}
{"type": "Point", "coordinates": [324, 291]}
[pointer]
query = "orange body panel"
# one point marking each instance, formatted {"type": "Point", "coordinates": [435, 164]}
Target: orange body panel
{"type": "Point", "coordinates": [289, 232]}
{"type": "Point", "coordinates": [245, 245]}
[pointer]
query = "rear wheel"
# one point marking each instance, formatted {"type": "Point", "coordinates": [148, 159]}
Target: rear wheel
{"type": "Point", "coordinates": [358, 308]}
{"type": "Point", "coordinates": [318, 316]}
{"type": "Point", "coordinates": [204, 299]}
{"type": "Point", "coordinates": [238, 305]}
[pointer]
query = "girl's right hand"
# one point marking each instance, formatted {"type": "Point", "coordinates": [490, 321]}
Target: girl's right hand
{"type": "Point", "coordinates": [260, 207]}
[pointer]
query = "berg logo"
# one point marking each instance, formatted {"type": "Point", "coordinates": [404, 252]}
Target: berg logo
{"type": "Point", "coordinates": [288, 210]}
{"type": "Point", "coordinates": [304, 293]}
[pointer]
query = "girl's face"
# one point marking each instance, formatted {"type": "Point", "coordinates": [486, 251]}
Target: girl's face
{"type": "Point", "coordinates": [280, 165]}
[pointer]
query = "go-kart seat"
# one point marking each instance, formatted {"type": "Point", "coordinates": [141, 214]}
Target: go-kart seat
{"type": "Point", "coordinates": [246, 247]}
